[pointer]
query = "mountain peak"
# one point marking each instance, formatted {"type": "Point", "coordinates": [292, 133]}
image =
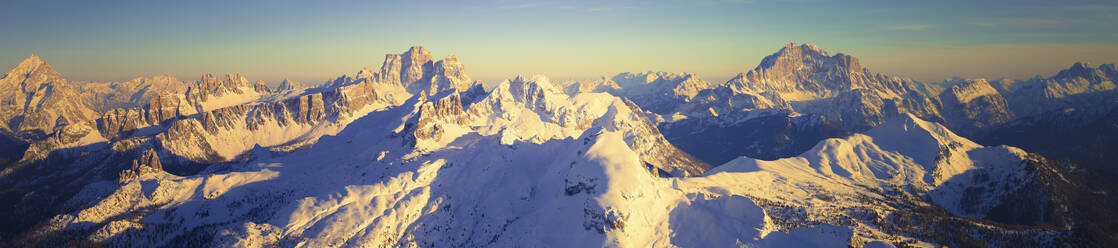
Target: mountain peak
{"type": "Point", "coordinates": [917, 137]}
{"type": "Point", "coordinates": [1081, 70]}
{"type": "Point", "coordinates": [33, 59]}
{"type": "Point", "coordinates": [418, 52]}
{"type": "Point", "coordinates": [793, 59]}
{"type": "Point", "coordinates": [807, 72]}
{"type": "Point", "coordinates": [29, 64]}
{"type": "Point", "coordinates": [806, 47]}
{"type": "Point", "coordinates": [37, 66]}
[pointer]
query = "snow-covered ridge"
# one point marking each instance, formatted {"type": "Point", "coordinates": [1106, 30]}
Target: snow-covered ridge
{"type": "Point", "coordinates": [537, 111]}
{"type": "Point", "coordinates": [466, 188]}
{"type": "Point", "coordinates": [903, 164]}
{"type": "Point", "coordinates": [921, 157]}
{"type": "Point", "coordinates": [472, 188]}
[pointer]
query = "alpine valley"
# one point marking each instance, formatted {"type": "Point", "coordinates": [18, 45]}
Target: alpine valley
{"type": "Point", "coordinates": [807, 149]}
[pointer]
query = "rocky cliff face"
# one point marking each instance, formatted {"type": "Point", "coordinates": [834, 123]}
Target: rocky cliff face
{"type": "Point", "coordinates": [417, 71]}
{"type": "Point", "coordinates": [433, 119]}
{"type": "Point", "coordinates": [449, 73]}
{"type": "Point", "coordinates": [205, 95]}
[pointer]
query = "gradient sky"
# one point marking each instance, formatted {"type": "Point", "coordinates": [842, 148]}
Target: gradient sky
{"type": "Point", "coordinates": [273, 40]}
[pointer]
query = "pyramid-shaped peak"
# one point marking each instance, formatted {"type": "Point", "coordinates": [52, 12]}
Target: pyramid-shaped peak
{"type": "Point", "coordinates": [34, 58]}
{"type": "Point", "coordinates": [34, 64]}
{"type": "Point", "coordinates": [30, 63]}
{"type": "Point", "coordinates": [1080, 65]}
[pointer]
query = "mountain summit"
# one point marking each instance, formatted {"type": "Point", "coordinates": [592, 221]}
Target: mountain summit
{"type": "Point", "coordinates": [36, 99]}
{"type": "Point", "coordinates": [31, 73]}
{"type": "Point", "coordinates": [807, 72]}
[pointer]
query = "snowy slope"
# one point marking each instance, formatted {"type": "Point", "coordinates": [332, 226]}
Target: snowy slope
{"type": "Point", "coordinates": [515, 167]}
{"type": "Point", "coordinates": [588, 189]}
{"type": "Point", "coordinates": [910, 153]}
{"type": "Point", "coordinates": [902, 165]}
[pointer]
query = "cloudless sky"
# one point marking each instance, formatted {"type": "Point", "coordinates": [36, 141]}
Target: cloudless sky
{"type": "Point", "coordinates": [318, 40]}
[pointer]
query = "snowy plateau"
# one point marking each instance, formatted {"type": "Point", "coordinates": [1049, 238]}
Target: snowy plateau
{"type": "Point", "coordinates": [806, 150]}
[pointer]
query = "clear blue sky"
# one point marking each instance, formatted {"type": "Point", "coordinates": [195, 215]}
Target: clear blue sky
{"type": "Point", "coordinates": [318, 40]}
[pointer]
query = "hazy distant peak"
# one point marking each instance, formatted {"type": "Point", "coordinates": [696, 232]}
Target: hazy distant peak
{"type": "Point", "coordinates": [165, 77]}
{"type": "Point", "coordinates": [1085, 71]}
{"type": "Point", "coordinates": [288, 85]}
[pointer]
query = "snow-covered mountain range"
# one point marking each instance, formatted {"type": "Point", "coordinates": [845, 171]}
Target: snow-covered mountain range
{"type": "Point", "coordinates": [805, 80]}
{"type": "Point", "coordinates": [808, 149]}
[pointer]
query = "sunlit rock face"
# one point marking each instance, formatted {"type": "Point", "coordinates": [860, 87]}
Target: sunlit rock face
{"type": "Point", "coordinates": [807, 72]}
{"type": "Point", "coordinates": [35, 99]}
